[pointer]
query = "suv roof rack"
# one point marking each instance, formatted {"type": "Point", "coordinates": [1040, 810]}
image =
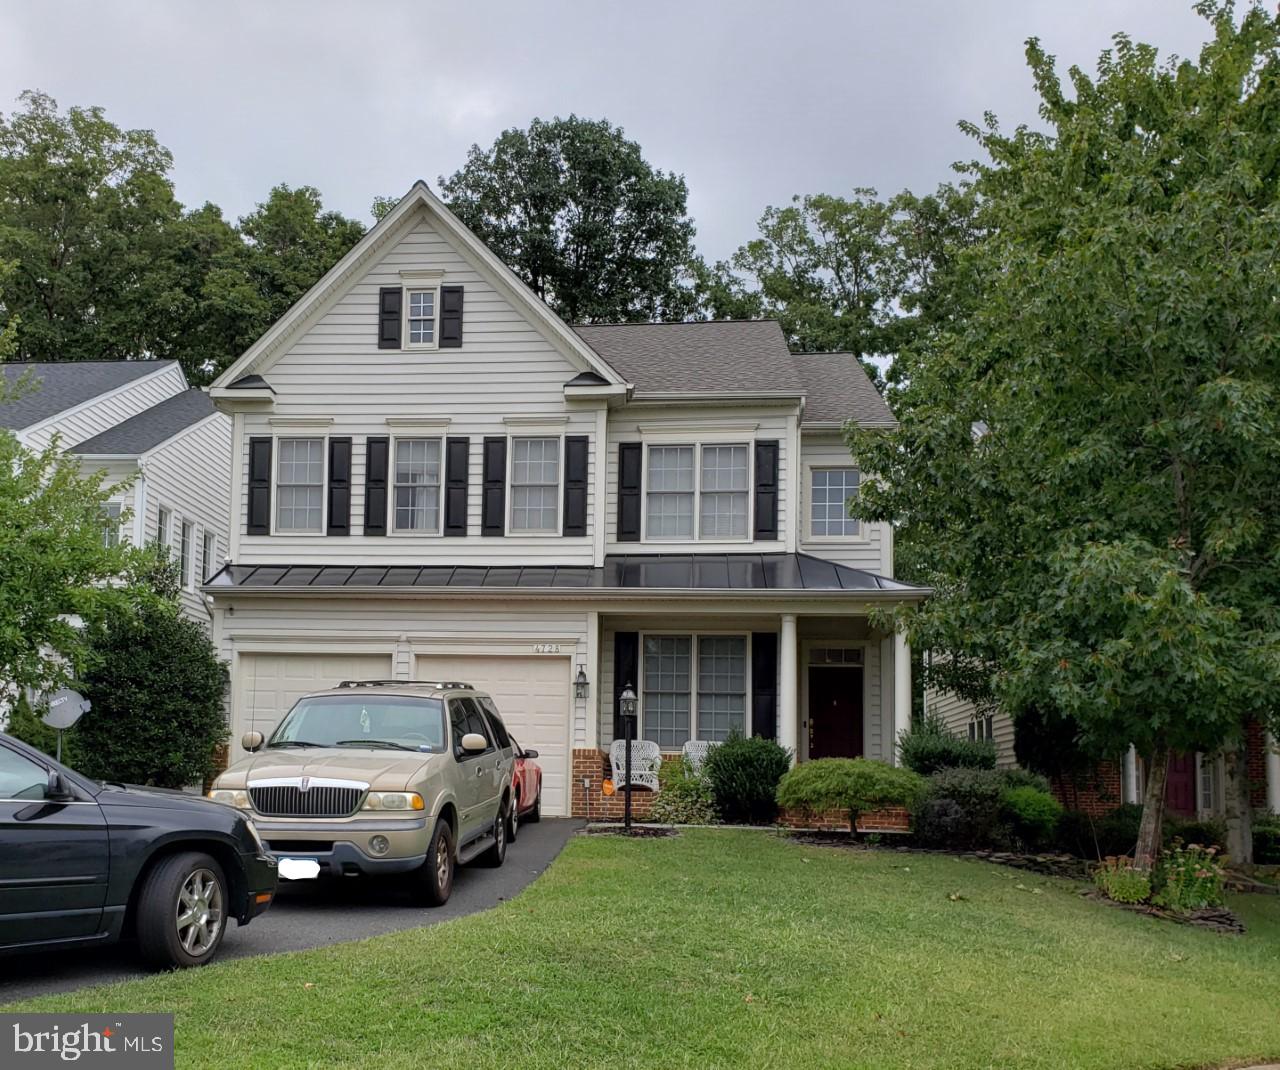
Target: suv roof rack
{"type": "Point", "coordinates": [440, 685]}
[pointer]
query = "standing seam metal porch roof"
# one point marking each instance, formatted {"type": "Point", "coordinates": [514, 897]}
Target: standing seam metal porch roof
{"type": "Point", "coordinates": [746, 572]}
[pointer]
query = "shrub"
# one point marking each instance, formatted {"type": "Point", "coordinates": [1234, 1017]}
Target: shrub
{"type": "Point", "coordinates": [972, 818]}
{"type": "Point", "coordinates": [1188, 878]}
{"type": "Point", "coordinates": [684, 796]}
{"type": "Point", "coordinates": [1117, 831]}
{"type": "Point", "coordinates": [1032, 815]}
{"type": "Point", "coordinates": [1121, 882]}
{"type": "Point", "coordinates": [929, 746]}
{"type": "Point", "coordinates": [1017, 777]}
{"type": "Point", "coordinates": [1266, 840]}
{"type": "Point", "coordinates": [1203, 833]}
{"type": "Point", "coordinates": [744, 773]}
{"type": "Point", "coordinates": [852, 784]}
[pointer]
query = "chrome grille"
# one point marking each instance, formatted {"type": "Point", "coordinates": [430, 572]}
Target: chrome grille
{"type": "Point", "coordinates": [283, 800]}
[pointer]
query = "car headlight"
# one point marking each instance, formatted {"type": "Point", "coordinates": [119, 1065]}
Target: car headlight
{"type": "Point", "coordinates": [237, 797]}
{"type": "Point", "coordinates": [394, 800]}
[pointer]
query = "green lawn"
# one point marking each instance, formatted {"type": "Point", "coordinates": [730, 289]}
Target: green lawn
{"type": "Point", "coordinates": [741, 949]}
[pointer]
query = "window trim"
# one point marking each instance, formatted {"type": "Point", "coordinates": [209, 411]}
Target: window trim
{"type": "Point", "coordinates": [694, 637]}
{"type": "Point", "coordinates": [186, 538]}
{"type": "Point", "coordinates": [208, 551]}
{"type": "Point", "coordinates": [697, 445]}
{"type": "Point", "coordinates": [108, 521]}
{"type": "Point", "coordinates": [423, 533]}
{"type": "Point", "coordinates": [164, 526]}
{"type": "Point", "coordinates": [412, 286]}
{"type": "Point", "coordinates": [323, 439]}
{"type": "Point", "coordinates": [806, 504]}
{"type": "Point", "coordinates": [558, 436]}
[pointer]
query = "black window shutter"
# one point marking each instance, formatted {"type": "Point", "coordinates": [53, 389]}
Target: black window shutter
{"type": "Point", "coordinates": [626, 666]}
{"type": "Point", "coordinates": [493, 501]}
{"type": "Point", "coordinates": [973, 730]}
{"type": "Point", "coordinates": [450, 317]}
{"type": "Point", "coordinates": [766, 490]}
{"type": "Point", "coordinates": [389, 298]}
{"type": "Point", "coordinates": [339, 486]}
{"type": "Point", "coordinates": [456, 459]}
{"type": "Point", "coordinates": [630, 467]}
{"type": "Point", "coordinates": [764, 684]}
{"type": "Point", "coordinates": [258, 521]}
{"type": "Point", "coordinates": [575, 484]}
{"type": "Point", "coordinates": [377, 451]}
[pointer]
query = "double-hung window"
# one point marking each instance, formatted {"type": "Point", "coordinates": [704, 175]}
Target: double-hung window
{"type": "Point", "coordinates": [694, 687]}
{"type": "Point", "coordinates": [111, 524]}
{"type": "Point", "coordinates": [417, 484]}
{"type": "Point", "coordinates": [208, 550]}
{"type": "Point", "coordinates": [698, 492]}
{"type": "Point", "coordinates": [830, 491]}
{"type": "Point", "coordinates": [420, 317]}
{"type": "Point", "coordinates": [162, 527]}
{"type": "Point", "coordinates": [300, 485]}
{"type": "Point", "coordinates": [184, 553]}
{"type": "Point", "coordinates": [535, 485]}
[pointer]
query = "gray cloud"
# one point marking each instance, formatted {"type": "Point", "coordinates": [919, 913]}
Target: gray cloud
{"type": "Point", "coordinates": [752, 101]}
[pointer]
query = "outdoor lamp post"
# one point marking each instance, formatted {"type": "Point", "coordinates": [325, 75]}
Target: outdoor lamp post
{"type": "Point", "coordinates": [627, 707]}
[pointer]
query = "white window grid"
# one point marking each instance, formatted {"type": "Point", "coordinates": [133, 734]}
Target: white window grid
{"type": "Point", "coordinates": [184, 553]}
{"type": "Point", "coordinates": [163, 526]}
{"type": "Point", "coordinates": [300, 486]}
{"type": "Point", "coordinates": [535, 480]}
{"type": "Point", "coordinates": [417, 476]}
{"type": "Point", "coordinates": [208, 552]}
{"type": "Point", "coordinates": [676, 669]}
{"type": "Point", "coordinates": [829, 492]}
{"type": "Point", "coordinates": [698, 493]}
{"type": "Point", "coordinates": [111, 513]}
{"type": "Point", "coordinates": [421, 317]}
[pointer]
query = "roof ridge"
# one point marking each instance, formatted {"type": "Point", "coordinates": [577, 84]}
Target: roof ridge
{"type": "Point", "coordinates": [669, 323]}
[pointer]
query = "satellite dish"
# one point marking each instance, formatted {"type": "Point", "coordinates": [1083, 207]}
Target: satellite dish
{"type": "Point", "coordinates": [65, 708]}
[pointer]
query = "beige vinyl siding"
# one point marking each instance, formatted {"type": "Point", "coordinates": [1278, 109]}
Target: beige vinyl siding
{"type": "Point", "coordinates": [655, 425]}
{"type": "Point", "coordinates": [107, 410]}
{"type": "Point", "coordinates": [872, 547]}
{"type": "Point", "coordinates": [505, 371]}
{"type": "Point", "coordinates": [956, 713]}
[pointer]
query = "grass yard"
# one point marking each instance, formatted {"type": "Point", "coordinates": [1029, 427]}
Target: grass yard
{"type": "Point", "coordinates": [742, 949]}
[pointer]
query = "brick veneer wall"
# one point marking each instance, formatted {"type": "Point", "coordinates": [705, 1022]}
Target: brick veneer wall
{"type": "Point", "coordinates": [1096, 793]}
{"type": "Point", "coordinates": [591, 801]}
{"type": "Point", "coordinates": [1255, 745]}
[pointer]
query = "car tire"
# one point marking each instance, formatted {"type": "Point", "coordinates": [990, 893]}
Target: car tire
{"type": "Point", "coordinates": [433, 880]}
{"type": "Point", "coordinates": [535, 814]}
{"type": "Point", "coordinates": [497, 854]}
{"type": "Point", "coordinates": [182, 911]}
{"type": "Point", "coordinates": [513, 827]}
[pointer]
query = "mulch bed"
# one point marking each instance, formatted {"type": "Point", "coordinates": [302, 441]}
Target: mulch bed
{"type": "Point", "coordinates": [1219, 919]}
{"type": "Point", "coordinates": [1049, 865]}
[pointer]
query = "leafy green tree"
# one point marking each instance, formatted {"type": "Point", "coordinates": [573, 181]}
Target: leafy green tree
{"type": "Point", "coordinates": [157, 687]}
{"type": "Point", "coordinates": [1092, 450]}
{"type": "Point", "coordinates": [572, 207]}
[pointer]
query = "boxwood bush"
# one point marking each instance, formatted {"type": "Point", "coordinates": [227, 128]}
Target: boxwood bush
{"type": "Point", "coordinates": [929, 746]}
{"type": "Point", "coordinates": [852, 784]}
{"type": "Point", "coordinates": [1031, 815]}
{"type": "Point", "coordinates": [743, 774]}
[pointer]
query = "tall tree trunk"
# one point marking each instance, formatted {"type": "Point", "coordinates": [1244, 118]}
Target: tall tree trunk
{"type": "Point", "coordinates": [1235, 799]}
{"type": "Point", "coordinates": [1151, 830]}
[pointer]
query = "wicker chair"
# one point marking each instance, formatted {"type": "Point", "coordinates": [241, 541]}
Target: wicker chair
{"type": "Point", "coordinates": [646, 759]}
{"type": "Point", "coordinates": [696, 751]}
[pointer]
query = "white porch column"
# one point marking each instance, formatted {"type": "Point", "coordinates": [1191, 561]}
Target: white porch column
{"type": "Point", "coordinates": [901, 720]}
{"type": "Point", "coordinates": [788, 689]}
{"type": "Point", "coordinates": [1130, 785]}
{"type": "Point", "coordinates": [1273, 774]}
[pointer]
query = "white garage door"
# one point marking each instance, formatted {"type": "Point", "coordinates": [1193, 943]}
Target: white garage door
{"type": "Point", "coordinates": [532, 694]}
{"type": "Point", "coordinates": [271, 683]}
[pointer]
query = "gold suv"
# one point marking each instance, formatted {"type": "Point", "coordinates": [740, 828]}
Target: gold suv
{"type": "Point", "coordinates": [380, 776]}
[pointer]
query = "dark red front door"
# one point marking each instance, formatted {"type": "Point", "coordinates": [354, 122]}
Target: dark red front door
{"type": "Point", "coordinates": [835, 713]}
{"type": "Point", "coordinates": [1180, 788]}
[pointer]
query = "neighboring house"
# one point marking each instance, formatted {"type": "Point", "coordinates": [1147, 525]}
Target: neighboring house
{"type": "Point", "coordinates": [436, 477]}
{"type": "Point", "coordinates": [1194, 781]}
{"type": "Point", "coordinates": [138, 420]}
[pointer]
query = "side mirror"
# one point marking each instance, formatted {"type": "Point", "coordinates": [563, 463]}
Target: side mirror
{"type": "Point", "coordinates": [56, 790]}
{"type": "Point", "coordinates": [474, 742]}
{"type": "Point", "coordinates": [252, 741]}
{"type": "Point", "coordinates": [529, 754]}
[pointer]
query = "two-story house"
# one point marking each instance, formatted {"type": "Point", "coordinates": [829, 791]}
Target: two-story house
{"type": "Point", "coordinates": [436, 477]}
{"type": "Point", "coordinates": [162, 442]}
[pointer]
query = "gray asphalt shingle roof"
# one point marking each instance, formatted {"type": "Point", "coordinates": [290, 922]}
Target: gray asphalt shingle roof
{"type": "Point", "coordinates": [63, 385]}
{"type": "Point", "coordinates": [151, 427]}
{"type": "Point", "coordinates": [837, 389]}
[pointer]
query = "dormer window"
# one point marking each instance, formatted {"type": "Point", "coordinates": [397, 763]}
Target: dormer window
{"type": "Point", "coordinates": [421, 318]}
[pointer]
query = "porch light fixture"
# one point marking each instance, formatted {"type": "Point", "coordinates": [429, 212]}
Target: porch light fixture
{"type": "Point", "coordinates": [627, 702]}
{"type": "Point", "coordinates": [581, 685]}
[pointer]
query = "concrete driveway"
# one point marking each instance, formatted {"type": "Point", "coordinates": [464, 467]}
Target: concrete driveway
{"type": "Point", "coordinates": [309, 914]}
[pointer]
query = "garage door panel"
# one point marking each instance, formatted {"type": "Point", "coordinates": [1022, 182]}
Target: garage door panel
{"type": "Point", "coordinates": [532, 694]}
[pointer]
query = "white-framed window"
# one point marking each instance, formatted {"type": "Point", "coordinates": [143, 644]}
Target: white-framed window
{"type": "Point", "coordinates": [111, 512]}
{"type": "Point", "coordinates": [693, 687]}
{"type": "Point", "coordinates": [829, 492]}
{"type": "Point", "coordinates": [417, 476]}
{"type": "Point", "coordinates": [421, 305]}
{"type": "Point", "coordinates": [981, 728]}
{"type": "Point", "coordinates": [300, 485]}
{"type": "Point", "coordinates": [184, 553]}
{"type": "Point", "coordinates": [163, 526]}
{"type": "Point", "coordinates": [535, 485]}
{"type": "Point", "coordinates": [698, 492]}
{"type": "Point", "coordinates": [208, 551]}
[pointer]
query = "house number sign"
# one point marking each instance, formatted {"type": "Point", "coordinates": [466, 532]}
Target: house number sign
{"type": "Point", "coordinates": [546, 648]}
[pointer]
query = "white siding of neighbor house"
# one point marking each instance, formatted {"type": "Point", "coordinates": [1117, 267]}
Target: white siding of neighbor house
{"type": "Point", "coordinates": [872, 547]}
{"type": "Point", "coordinates": [658, 425]}
{"type": "Point", "coordinates": [190, 475]}
{"type": "Point", "coordinates": [107, 410]}
{"type": "Point", "coordinates": [505, 371]}
{"type": "Point", "coordinates": [956, 713]}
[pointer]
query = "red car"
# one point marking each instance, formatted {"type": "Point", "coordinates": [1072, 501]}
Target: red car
{"type": "Point", "coordinates": [527, 784]}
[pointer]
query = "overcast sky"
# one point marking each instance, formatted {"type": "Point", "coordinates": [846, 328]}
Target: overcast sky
{"type": "Point", "coordinates": [751, 101]}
